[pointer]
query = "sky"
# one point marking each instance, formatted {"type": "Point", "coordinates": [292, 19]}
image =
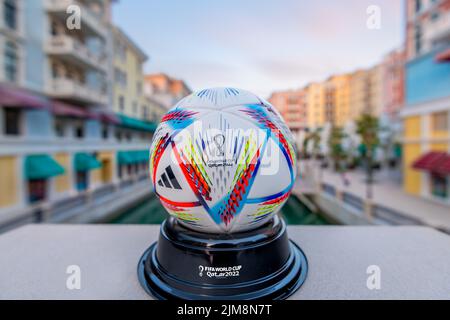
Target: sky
{"type": "Point", "coordinates": [259, 45]}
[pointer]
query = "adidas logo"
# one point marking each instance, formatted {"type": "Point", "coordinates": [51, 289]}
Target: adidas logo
{"type": "Point", "coordinates": [169, 180]}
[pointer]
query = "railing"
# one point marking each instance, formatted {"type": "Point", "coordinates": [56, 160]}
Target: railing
{"type": "Point", "coordinates": [126, 183]}
{"type": "Point", "coordinates": [63, 44]}
{"type": "Point", "coordinates": [143, 177]}
{"type": "Point", "coordinates": [71, 89]}
{"type": "Point", "coordinates": [329, 189]}
{"type": "Point", "coordinates": [92, 20]}
{"type": "Point", "coordinates": [440, 28]}
{"type": "Point", "coordinates": [392, 217]}
{"type": "Point", "coordinates": [66, 209]}
{"type": "Point", "coordinates": [353, 201]}
{"type": "Point", "coordinates": [31, 216]}
{"type": "Point", "coordinates": [375, 213]}
{"type": "Point", "coordinates": [103, 193]}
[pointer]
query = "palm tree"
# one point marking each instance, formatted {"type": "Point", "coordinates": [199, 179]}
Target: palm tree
{"type": "Point", "coordinates": [337, 153]}
{"type": "Point", "coordinates": [368, 128]}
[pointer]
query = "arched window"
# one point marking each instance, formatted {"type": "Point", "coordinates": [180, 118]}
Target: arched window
{"type": "Point", "coordinates": [10, 13]}
{"type": "Point", "coordinates": [11, 62]}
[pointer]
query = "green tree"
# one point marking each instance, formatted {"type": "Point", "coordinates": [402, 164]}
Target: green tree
{"type": "Point", "coordinates": [305, 146]}
{"type": "Point", "coordinates": [368, 127]}
{"type": "Point", "coordinates": [315, 137]}
{"type": "Point", "coordinates": [337, 153]}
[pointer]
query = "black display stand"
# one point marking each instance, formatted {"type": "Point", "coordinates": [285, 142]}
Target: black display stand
{"type": "Point", "coordinates": [257, 264]}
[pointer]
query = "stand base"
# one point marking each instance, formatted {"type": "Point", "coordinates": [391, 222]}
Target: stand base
{"type": "Point", "coordinates": [184, 264]}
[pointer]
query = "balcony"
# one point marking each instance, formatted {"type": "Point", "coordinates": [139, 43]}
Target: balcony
{"type": "Point", "coordinates": [73, 51]}
{"type": "Point", "coordinates": [88, 18]}
{"type": "Point", "coordinates": [413, 261]}
{"type": "Point", "coordinates": [68, 89]}
{"type": "Point", "coordinates": [439, 30]}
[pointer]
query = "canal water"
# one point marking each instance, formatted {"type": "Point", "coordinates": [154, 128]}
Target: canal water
{"type": "Point", "coordinates": [150, 211]}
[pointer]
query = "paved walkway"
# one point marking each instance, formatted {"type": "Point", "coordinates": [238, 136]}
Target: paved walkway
{"type": "Point", "coordinates": [389, 193]}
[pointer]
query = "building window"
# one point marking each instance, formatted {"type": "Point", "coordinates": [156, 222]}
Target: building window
{"type": "Point", "coordinates": [440, 121]}
{"type": "Point", "coordinates": [105, 131]}
{"type": "Point", "coordinates": [121, 103]}
{"type": "Point", "coordinates": [59, 127]}
{"type": "Point", "coordinates": [11, 61]}
{"type": "Point", "coordinates": [10, 13]}
{"type": "Point", "coordinates": [54, 28]}
{"type": "Point", "coordinates": [144, 167]}
{"type": "Point", "coordinates": [120, 77]}
{"type": "Point", "coordinates": [11, 121]}
{"type": "Point", "coordinates": [418, 5]}
{"type": "Point", "coordinates": [119, 135]}
{"type": "Point", "coordinates": [120, 171]}
{"type": "Point", "coordinates": [145, 113]}
{"type": "Point", "coordinates": [82, 180]}
{"type": "Point", "coordinates": [117, 76]}
{"type": "Point", "coordinates": [139, 88]}
{"type": "Point", "coordinates": [128, 135]}
{"type": "Point", "coordinates": [79, 130]}
{"type": "Point", "coordinates": [418, 39]}
{"type": "Point", "coordinates": [434, 15]}
{"type": "Point", "coordinates": [121, 50]}
{"type": "Point", "coordinates": [135, 108]}
{"type": "Point", "coordinates": [439, 186]}
{"type": "Point", "coordinates": [37, 190]}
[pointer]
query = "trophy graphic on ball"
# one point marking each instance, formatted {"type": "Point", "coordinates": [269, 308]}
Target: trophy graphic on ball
{"type": "Point", "coordinates": [222, 164]}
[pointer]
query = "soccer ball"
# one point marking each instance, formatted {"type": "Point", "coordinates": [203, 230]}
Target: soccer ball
{"type": "Point", "coordinates": [222, 161]}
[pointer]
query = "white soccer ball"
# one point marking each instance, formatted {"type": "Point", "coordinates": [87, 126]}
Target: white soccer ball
{"type": "Point", "coordinates": [222, 161]}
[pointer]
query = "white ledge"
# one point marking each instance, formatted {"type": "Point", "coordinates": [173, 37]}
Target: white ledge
{"type": "Point", "coordinates": [414, 261]}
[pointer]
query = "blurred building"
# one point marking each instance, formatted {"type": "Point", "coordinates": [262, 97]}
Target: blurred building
{"type": "Point", "coordinates": [359, 93]}
{"type": "Point", "coordinates": [375, 91]}
{"type": "Point", "coordinates": [393, 68]}
{"type": "Point", "coordinates": [315, 102]}
{"type": "Point", "coordinates": [68, 147]}
{"type": "Point", "coordinates": [165, 90]}
{"type": "Point", "coordinates": [337, 100]}
{"type": "Point", "coordinates": [366, 92]}
{"type": "Point", "coordinates": [292, 106]}
{"type": "Point", "coordinates": [426, 114]}
{"type": "Point", "coordinates": [128, 88]}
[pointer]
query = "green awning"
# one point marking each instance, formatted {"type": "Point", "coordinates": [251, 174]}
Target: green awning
{"type": "Point", "coordinates": [135, 156]}
{"type": "Point", "coordinates": [125, 157]}
{"type": "Point", "coordinates": [41, 167]}
{"type": "Point", "coordinates": [398, 150]}
{"type": "Point", "coordinates": [137, 124]}
{"type": "Point", "coordinates": [143, 155]}
{"type": "Point", "coordinates": [85, 162]}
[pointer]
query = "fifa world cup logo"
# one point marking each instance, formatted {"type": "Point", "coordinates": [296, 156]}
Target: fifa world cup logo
{"type": "Point", "coordinates": [200, 269]}
{"type": "Point", "coordinates": [219, 141]}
